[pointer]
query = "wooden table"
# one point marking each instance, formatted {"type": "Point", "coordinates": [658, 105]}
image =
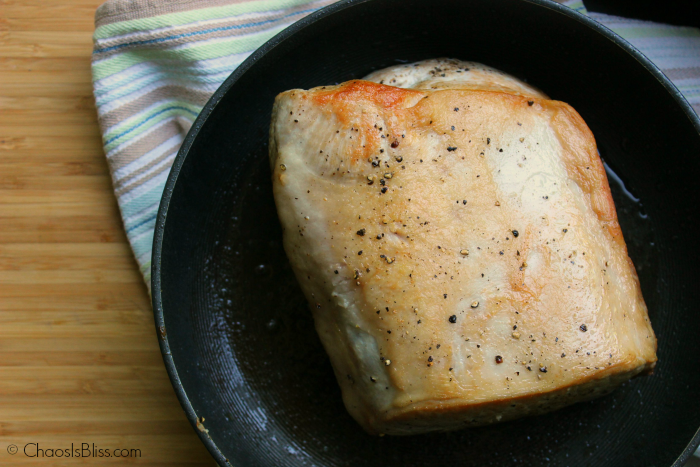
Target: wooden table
{"type": "Point", "coordinates": [79, 359]}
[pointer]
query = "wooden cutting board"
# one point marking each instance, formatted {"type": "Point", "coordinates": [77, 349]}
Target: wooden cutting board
{"type": "Point", "coordinates": [79, 358]}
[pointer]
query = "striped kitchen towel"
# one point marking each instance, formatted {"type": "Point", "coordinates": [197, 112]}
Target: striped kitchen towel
{"type": "Point", "coordinates": [156, 62]}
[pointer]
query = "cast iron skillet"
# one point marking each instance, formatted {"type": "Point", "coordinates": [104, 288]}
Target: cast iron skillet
{"type": "Point", "coordinates": [237, 339]}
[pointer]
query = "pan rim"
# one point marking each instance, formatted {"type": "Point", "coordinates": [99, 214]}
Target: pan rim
{"type": "Point", "coordinates": [200, 121]}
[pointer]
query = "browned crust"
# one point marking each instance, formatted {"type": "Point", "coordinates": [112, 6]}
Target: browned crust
{"type": "Point", "coordinates": [341, 102]}
{"type": "Point", "coordinates": [584, 165]}
{"type": "Point", "coordinates": [462, 413]}
{"type": "Point", "coordinates": [349, 93]}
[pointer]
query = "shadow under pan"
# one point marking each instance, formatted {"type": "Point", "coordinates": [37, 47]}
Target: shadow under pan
{"type": "Point", "coordinates": [237, 337]}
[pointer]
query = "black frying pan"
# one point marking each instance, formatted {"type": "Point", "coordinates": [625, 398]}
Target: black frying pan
{"type": "Point", "coordinates": [236, 335]}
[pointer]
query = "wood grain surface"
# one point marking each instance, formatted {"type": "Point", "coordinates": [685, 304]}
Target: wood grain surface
{"type": "Point", "coordinates": [79, 358]}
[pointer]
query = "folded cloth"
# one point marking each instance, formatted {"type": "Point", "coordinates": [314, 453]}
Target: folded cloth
{"type": "Point", "coordinates": [155, 63]}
